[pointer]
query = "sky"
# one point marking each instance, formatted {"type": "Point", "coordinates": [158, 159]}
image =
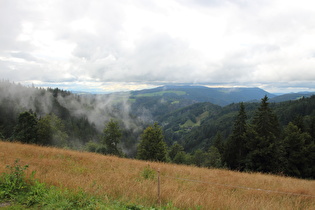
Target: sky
{"type": "Point", "coordinates": [120, 45]}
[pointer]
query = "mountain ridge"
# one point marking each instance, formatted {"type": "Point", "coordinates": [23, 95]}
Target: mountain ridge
{"type": "Point", "coordinates": [218, 96]}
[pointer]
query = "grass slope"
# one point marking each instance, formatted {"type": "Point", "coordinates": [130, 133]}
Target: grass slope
{"type": "Point", "coordinates": [134, 181]}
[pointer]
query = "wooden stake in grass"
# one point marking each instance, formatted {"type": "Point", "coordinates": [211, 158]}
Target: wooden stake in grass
{"type": "Point", "coordinates": [159, 187]}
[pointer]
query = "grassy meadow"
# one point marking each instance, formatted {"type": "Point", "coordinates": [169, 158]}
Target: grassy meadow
{"type": "Point", "coordinates": [134, 181]}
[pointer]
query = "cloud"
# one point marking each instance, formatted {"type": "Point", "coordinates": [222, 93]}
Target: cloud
{"type": "Point", "coordinates": [24, 55]}
{"type": "Point", "coordinates": [125, 43]}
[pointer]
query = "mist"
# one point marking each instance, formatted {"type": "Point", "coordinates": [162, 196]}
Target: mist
{"type": "Point", "coordinates": [96, 109]}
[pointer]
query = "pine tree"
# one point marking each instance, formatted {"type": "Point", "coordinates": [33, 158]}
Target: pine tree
{"type": "Point", "coordinates": [266, 152]}
{"type": "Point", "coordinates": [152, 146]}
{"type": "Point", "coordinates": [265, 121]}
{"type": "Point", "coordinates": [236, 146]}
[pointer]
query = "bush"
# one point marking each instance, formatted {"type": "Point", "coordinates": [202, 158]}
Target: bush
{"type": "Point", "coordinates": [148, 173]}
{"type": "Point", "coordinates": [13, 182]}
{"type": "Point", "coordinates": [15, 186]}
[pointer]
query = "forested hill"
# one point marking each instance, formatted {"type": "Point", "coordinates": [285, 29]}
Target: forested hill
{"type": "Point", "coordinates": [291, 96]}
{"type": "Point", "coordinates": [265, 137]}
{"type": "Point", "coordinates": [60, 118]}
{"type": "Point", "coordinates": [218, 96]}
{"type": "Point", "coordinates": [255, 136]}
{"type": "Point", "coordinates": [198, 126]}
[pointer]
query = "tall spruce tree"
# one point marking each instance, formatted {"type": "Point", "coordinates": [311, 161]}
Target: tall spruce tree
{"type": "Point", "coordinates": [152, 146]}
{"type": "Point", "coordinates": [265, 121]}
{"type": "Point", "coordinates": [266, 150]}
{"type": "Point", "coordinates": [236, 151]}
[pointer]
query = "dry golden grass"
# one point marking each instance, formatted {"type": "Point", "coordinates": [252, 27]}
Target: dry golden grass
{"type": "Point", "coordinates": [121, 179]}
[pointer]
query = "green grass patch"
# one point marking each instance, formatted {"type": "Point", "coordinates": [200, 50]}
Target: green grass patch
{"type": "Point", "coordinates": [189, 123]}
{"type": "Point", "coordinates": [202, 116]}
{"type": "Point", "coordinates": [132, 100]}
{"type": "Point", "coordinates": [17, 191]}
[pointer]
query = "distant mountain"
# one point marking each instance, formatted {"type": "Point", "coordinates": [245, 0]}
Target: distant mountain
{"type": "Point", "coordinates": [292, 96]}
{"type": "Point", "coordinates": [218, 96]}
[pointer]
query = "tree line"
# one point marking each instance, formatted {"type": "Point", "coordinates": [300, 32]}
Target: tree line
{"type": "Point", "coordinates": [258, 145]}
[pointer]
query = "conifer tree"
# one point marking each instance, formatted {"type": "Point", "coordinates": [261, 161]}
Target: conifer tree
{"type": "Point", "coordinates": [152, 146]}
{"type": "Point", "coordinates": [266, 150]}
{"type": "Point", "coordinates": [265, 121]}
{"type": "Point", "coordinates": [236, 146]}
{"type": "Point", "coordinates": [295, 143]}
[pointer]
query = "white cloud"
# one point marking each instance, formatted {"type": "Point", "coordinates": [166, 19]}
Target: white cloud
{"type": "Point", "coordinates": [129, 44]}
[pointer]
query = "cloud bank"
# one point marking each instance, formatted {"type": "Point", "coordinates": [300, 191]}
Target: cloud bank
{"type": "Point", "coordinates": [121, 45]}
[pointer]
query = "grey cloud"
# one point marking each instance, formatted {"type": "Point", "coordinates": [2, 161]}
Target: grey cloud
{"type": "Point", "coordinates": [156, 57]}
{"type": "Point", "coordinates": [159, 57]}
{"type": "Point", "coordinates": [24, 55]}
{"type": "Point", "coordinates": [86, 46]}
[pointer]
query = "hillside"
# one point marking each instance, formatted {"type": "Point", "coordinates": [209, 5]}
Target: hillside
{"type": "Point", "coordinates": [218, 96]}
{"type": "Point", "coordinates": [80, 118]}
{"type": "Point", "coordinates": [133, 181]}
{"type": "Point", "coordinates": [195, 127]}
{"type": "Point", "coordinates": [291, 96]}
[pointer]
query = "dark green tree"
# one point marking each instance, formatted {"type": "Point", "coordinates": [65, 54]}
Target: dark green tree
{"type": "Point", "coordinates": [112, 135]}
{"type": "Point", "coordinates": [174, 150]}
{"type": "Point", "coordinates": [265, 122]}
{"type": "Point", "coordinates": [1, 136]}
{"type": "Point", "coordinates": [44, 132]}
{"type": "Point", "coordinates": [213, 158]}
{"type": "Point", "coordinates": [152, 146]}
{"type": "Point", "coordinates": [180, 158]}
{"type": "Point", "coordinates": [219, 143]}
{"type": "Point", "coordinates": [266, 152]}
{"type": "Point", "coordinates": [51, 131]}
{"type": "Point", "coordinates": [199, 158]}
{"type": "Point", "coordinates": [236, 150]}
{"type": "Point", "coordinates": [297, 144]}
{"type": "Point", "coordinates": [309, 170]}
{"type": "Point", "coordinates": [26, 128]}
{"type": "Point", "coordinates": [312, 127]}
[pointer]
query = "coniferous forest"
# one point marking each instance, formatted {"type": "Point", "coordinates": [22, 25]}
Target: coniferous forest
{"type": "Point", "coordinates": [260, 135]}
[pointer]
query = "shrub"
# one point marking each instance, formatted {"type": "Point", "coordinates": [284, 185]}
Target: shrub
{"type": "Point", "coordinates": [13, 182]}
{"type": "Point", "coordinates": [148, 173]}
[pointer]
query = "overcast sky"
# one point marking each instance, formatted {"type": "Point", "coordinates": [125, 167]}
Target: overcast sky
{"type": "Point", "coordinates": [114, 45]}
